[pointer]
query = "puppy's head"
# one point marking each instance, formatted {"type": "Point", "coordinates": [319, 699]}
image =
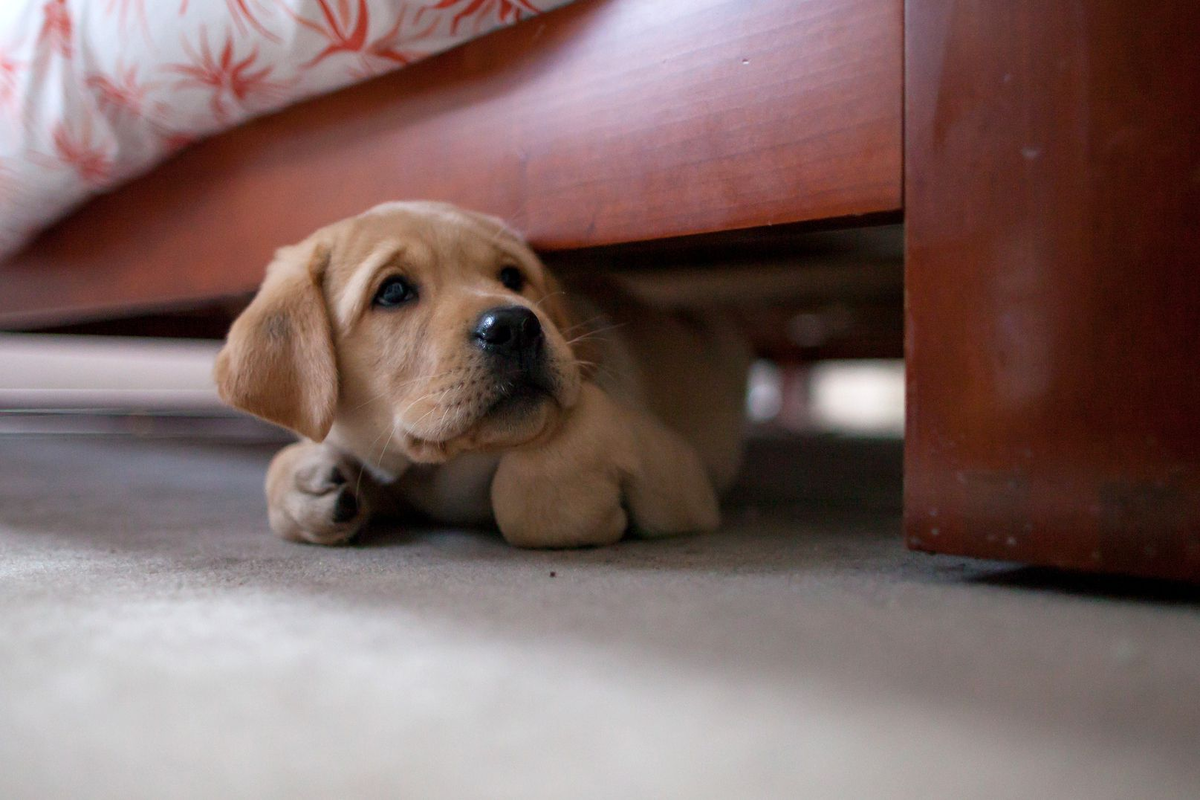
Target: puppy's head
{"type": "Point", "coordinates": [436, 328]}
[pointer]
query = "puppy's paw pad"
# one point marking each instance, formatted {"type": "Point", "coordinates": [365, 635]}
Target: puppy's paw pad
{"type": "Point", "coordinates": [320, 478]}
{"type": "Point", "coordinates": [334, 516]}
{"type": "Point", "coordinates": [345, 506]}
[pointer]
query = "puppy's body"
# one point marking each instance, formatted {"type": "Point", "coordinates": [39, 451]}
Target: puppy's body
{"type": "Point", "coordinates": [645, 360]}
{"type": "Point", "coordinates": [563, 414]}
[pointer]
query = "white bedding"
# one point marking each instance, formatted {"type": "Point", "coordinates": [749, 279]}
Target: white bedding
{"type": "Point", "coordinates": [94, 92]}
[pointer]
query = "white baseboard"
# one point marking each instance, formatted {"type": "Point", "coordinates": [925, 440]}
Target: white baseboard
{"type": "Point", "coordinates": [52, 371]}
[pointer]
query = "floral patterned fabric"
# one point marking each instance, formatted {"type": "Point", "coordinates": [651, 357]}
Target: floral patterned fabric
{"type": "Point", "coordinates": [94, 92]}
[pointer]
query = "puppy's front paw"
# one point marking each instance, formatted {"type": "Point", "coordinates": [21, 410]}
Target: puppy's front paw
{"type": "Point", "coordinates": [536, 507]}
{"type": "Point", "coordinates": [312, 496]}
{"type": "Point", "coordinates": [565, 492]}
{"type": "Point", "coordinates": [604, 468]}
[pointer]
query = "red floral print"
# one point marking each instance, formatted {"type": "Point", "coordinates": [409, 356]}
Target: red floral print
{"type": "Point", "coordinates": [505, 10]}
{"type": "Point", "coordinates": [243, 15]}
{"type": "Point", "coordinates": [345, 28]}
{"type": "Point", "coordinates": [10, 69]}
{"type": "Point", "coordinates": [388, 46]}
{"type": "Point", "coordinates": [225, 77]}
{"type": "Point", "coordinates": [95, 91]}
{"type": "Point", "coordinates": [126, 8]}
{"type": "Point", "coordinates": [56, 27]}
{"type": "Point", "coordinates": [345, 32]}
{"type": "Point", "coordinates": [121, 92]}
{"type": "Point", "coordinates": [89, 160]}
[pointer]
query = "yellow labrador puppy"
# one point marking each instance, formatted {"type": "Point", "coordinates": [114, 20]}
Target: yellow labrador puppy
{"type": "Point", "coordinates": [432, 364]}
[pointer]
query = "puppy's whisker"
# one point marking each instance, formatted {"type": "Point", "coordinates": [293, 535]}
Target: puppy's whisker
{"type": "Point", "coordinates": [410, 426]}
{"type": "Point", "coordinates": [386, 445]}
{"type": "Point", "coordinates": [593, 334]}
{"type": "Point", "coordinates": [605, 329]}
{"type": "Point", "coordinates": [370, 447]}
{"type": "Point", "coordinates": [579, 325]}
{"type": "Point", "coordinates": [441, 426]}
{"type": "Point", "coordinates": [373, 441]}
{"type": "Point", "coordinates": [538, 303]}
{"type": "Point", "coordinates": [427, 396]}
{"type": "Point", "coordinates": [389, 389]}
{"type": "Point", "coordinates": [362, 471]}
{"type": "Point", "coordinates": [587, 337]}
{"type": "Point", "coordinates": [600, 369]}
{"type": "Point", "coordinates": [370, 400]}
{"type": "Point", "coordinates": [426, 378]}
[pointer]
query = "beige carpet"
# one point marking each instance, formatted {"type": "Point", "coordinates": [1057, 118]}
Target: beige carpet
{"type": "Point", "coordinates": [156, 642]}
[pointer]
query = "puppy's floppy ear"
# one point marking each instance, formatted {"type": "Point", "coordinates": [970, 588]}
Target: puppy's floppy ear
{"type": "Point", "coordinates": [278, 361]}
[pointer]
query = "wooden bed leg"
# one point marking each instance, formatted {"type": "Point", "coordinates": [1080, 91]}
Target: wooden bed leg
{"type": "Point", "coordinates": [1053, 283]}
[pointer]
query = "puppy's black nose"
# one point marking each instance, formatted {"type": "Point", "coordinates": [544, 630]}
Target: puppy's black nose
{"type": "Point", "coordinates": [509, 331]}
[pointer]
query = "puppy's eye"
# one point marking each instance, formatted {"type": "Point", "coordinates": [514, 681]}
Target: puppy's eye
{"type": "Point", "coordinates": [512, 279]}
{"type": "Point", "coordinates": [395, 291]}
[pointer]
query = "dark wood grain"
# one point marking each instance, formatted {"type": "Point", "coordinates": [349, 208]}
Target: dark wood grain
{"type": "Point", "coordinates": [1053, 239]}
{"type": "Point", "coordinates": [606, 121]}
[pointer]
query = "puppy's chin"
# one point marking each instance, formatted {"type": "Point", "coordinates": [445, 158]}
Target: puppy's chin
{"type": "Point", "coordinates": [521, 418]}
{"type": "Point", "coordinates": [514, 411]}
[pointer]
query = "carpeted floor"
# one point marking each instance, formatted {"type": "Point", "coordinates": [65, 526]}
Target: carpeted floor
{"type": "Point", "coordinates": [155, 641]}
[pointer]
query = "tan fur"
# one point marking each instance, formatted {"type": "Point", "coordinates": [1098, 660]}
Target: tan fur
{"type": "Point", "coordinates": [279, 361]}
{"type": "Point", "coordinates": [643, 425]}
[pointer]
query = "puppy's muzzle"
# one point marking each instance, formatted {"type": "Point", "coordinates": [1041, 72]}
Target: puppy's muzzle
{"type": "Point", "coordinates": [515, 348]}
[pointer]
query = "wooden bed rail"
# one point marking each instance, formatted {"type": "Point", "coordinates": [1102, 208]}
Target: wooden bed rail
{"type": "Point", "coordinates": [605, 121]}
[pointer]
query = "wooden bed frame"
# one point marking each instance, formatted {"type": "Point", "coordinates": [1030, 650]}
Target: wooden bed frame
{"type": "Point", "coordinates": [604, 121]}
{"type": "Point", "coordinates": [1043, 154]}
